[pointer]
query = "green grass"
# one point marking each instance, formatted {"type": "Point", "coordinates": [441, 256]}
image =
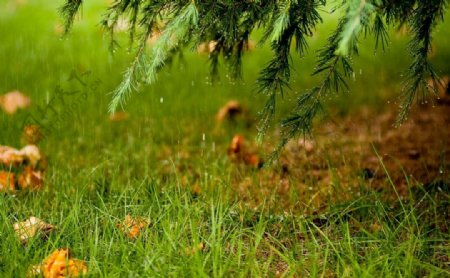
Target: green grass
{"type": "Point", "coordinates": [146, 166]}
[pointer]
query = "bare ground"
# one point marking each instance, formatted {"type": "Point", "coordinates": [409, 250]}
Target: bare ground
{"type": "Point", "coordinates": [348, 157]}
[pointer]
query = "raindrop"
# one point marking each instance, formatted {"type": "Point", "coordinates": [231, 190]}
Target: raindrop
{"type": "Point", "coordinates": [204, 137]}
{"type": "Point", "coordinates": [161, 100]}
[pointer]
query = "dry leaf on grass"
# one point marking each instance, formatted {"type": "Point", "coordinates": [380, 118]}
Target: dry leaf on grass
{"type": "Point", "coordinates": [12, 156]}
{"type": "Point", "coordinates": [238, 152]}
{"type": "Point", "coordinates": [13, 101]}
{"type": "Point", "coordinates": [31, 179]}
{"type": "Point", "coordinates": [132, 227]}
{"type": "Point", "coordinates": [30, 228]}
{"type": "Point", "coordinates": [59, 264]}
{"type": "Point", "coordinates": [194, 249]}
{"type": "Point", "coordinates": [32, 134]}
{"type": "Point", "coordinates": [119, 116]}
{"type": "Point", "coordinates": [7, 181]}
{"type": "Point", "coordinates": [229, 111]}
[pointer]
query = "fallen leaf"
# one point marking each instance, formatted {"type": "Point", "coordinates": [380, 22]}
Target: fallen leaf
{"type": "Point", "coordinates": [7, 181]}
{"type": "Point", "coordinates": [59, 264]}
{"type": "Point", "coordinates": [196, 189]}
{"type": "Point", "coordinates": [252, 159]}
{"type": "Point", "coordinates": [32, 154]}
{"type": "Point", "coordinates": [32, 134]}
{"type": "Point", "coordinates": [132, 227]}
{"type": "Point", "coordinates": [119, 116]}
{"type": "Point", "coordinates": [30, 228]}
{"type": "Point", "coordinates": [194, 249]}
{"type": "Point", "coordinates": [236, 145]}
{"type": "Point", "coordinates": [30, 179]}
{"type": "Point", "coordinates": [13, 101]}
{"type": "Point", "coordinates": [14, 157]}
{"type": "Point", "coordinates": [10, 156]}
{"type": "Point", "coordinates": [229, 111]}
{"type": "Point", "coordinates": [239, 153]}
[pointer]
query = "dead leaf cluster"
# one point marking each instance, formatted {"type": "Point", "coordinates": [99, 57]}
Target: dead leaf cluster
{"type": "Point", "coordinates": [24, 171]}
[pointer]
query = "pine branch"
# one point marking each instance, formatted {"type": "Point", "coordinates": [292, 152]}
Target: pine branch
{"type": "Point", "coordinates": [423, 20]}
{"type": "Point", "coordinates": [68, 12]}
{"type": "Point", "coordinates": [286, 24]}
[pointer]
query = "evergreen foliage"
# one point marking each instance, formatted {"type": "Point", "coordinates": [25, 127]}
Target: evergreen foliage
{"type": "Point", "coordinates": [287, 24]}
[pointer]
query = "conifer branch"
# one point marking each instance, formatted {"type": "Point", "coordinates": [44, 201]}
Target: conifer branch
{"type": "Point", "coordinates": [286, 25]}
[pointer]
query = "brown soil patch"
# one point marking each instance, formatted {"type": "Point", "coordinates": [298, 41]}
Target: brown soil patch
{"type": "Point", "coordinates": [341, 161]}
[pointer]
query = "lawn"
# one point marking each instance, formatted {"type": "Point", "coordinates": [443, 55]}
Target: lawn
{"type": "Point", "coordinates": [353, 200]}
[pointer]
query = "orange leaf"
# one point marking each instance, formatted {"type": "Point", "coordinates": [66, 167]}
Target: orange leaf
{"type": "Point", "coordinates": [236, 145]}
{"type": "Point", "coordinates": [132, 227]}
{"type": "Point", "coordinates": [229, 111]}
{"type": "Point", "coordinates": [7, 181]}
{"type": "Point", "coordinates": [59, 264]}
{"type": "Point", "coordinates": [31, 179]}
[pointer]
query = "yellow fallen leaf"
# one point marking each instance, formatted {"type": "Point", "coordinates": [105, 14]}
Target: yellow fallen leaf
{"type": "Point", "coordinates": [13, 101]}
{"type": "Point", "coordinates": [132, 227]}
{"type": "Point", "coordinates": [7, 181]}
{"type": "Point", "coordinates": [30, 228]}
{"type": "Point", "coordinates": [59, 264]}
